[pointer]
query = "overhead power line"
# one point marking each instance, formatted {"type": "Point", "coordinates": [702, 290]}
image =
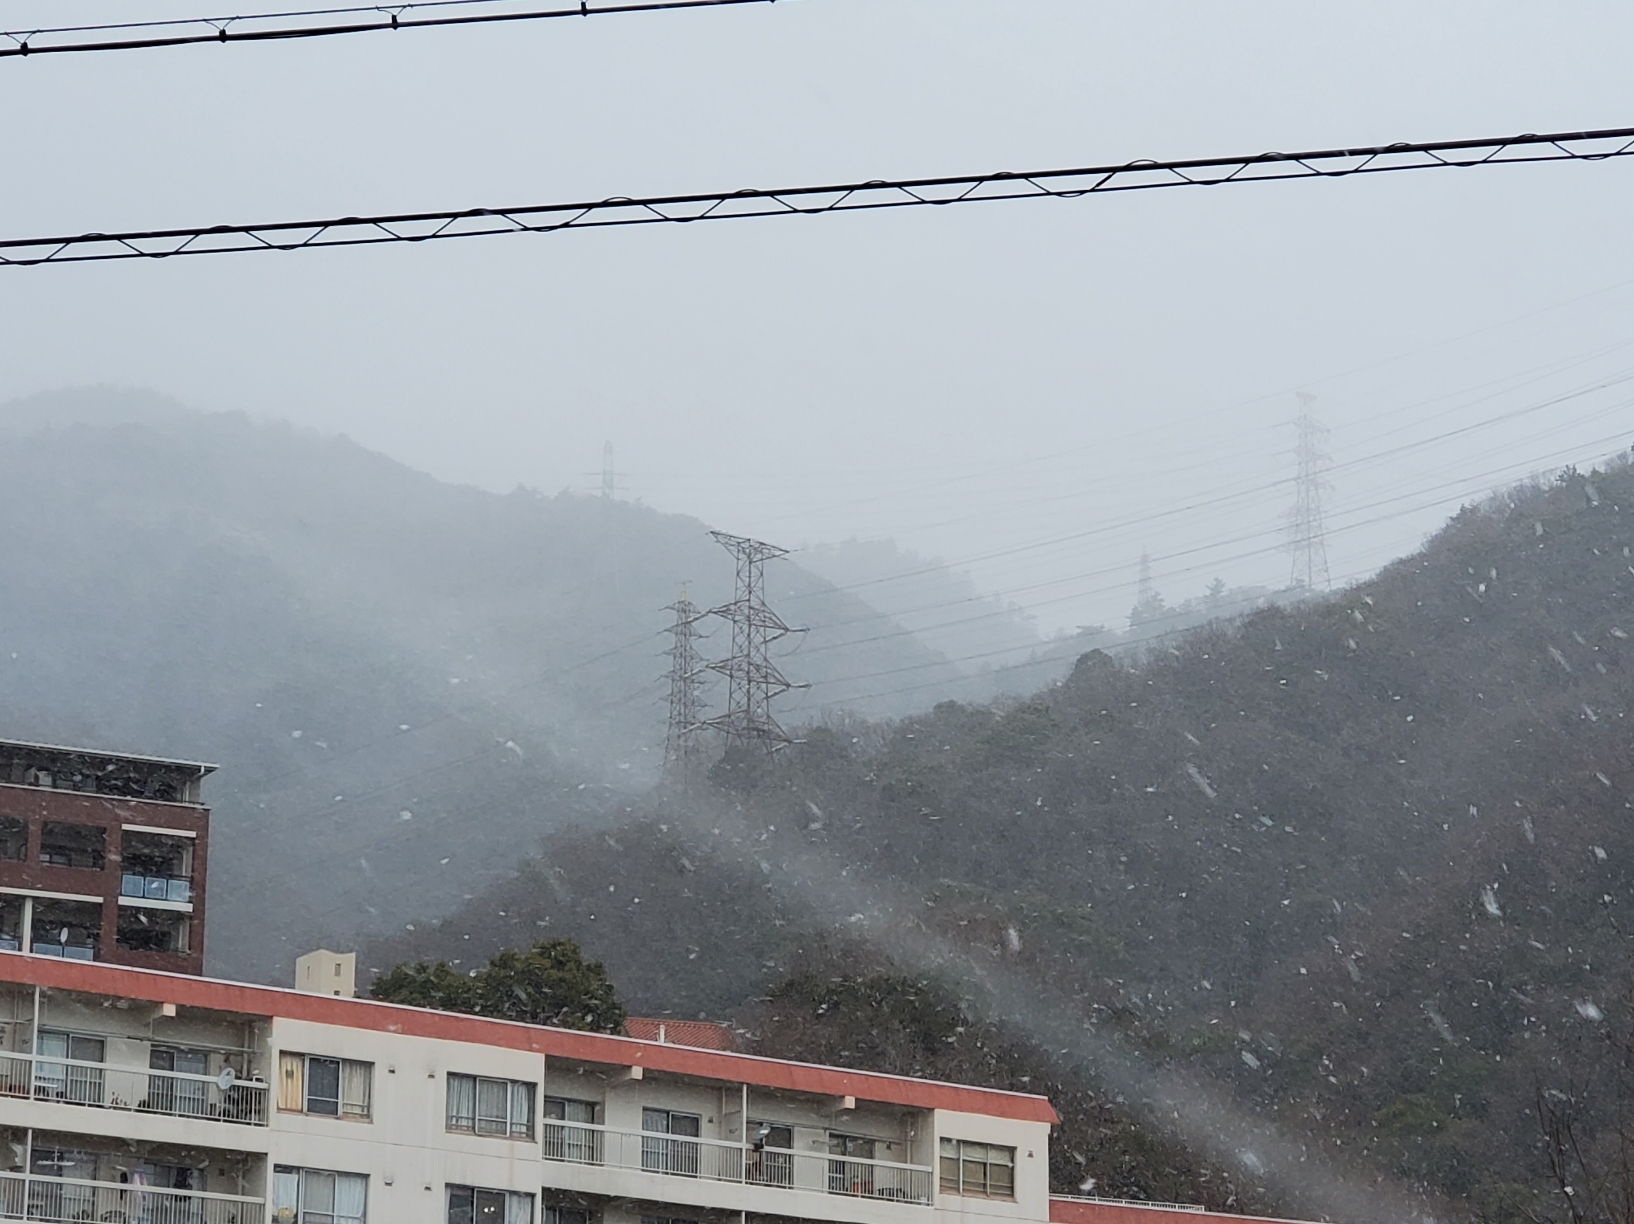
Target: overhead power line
{"type": "Point", "coordinates": [806, 201]}
{"type": "Point", "coordinates": [312, 23]}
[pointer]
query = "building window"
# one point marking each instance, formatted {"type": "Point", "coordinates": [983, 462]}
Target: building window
{"type": "Point", "coordinates": [152, 930]}
{"type": "Point", "coordinates": [569, 1131]}
{"type": "Point", "coordinates": [490, 1106]}
{"type": "Point", "coordinates": [318, 1196]}
{"type": "Point", "coordinates": [771, 1154]}
{"type": "Point", "coordinates": [180, 1093]}
{"type": "Point", "coordinates": [13, 839]}
{"type": "Point", "coordinates": [474, 1205]}
{"type": "Point", "coordinates": [559, 1213]}
{"type": "Point", "coordinates": [71, 930]}
{"type": "Point", "coordinates": [662, 1154]}
{"type": "Point", "coordinates": [983, 1169]}
{"type": "Point", "coordinates": [155, 867]}
{"type": "Point", "coordinates": [334, 1087]}
{"type": "Point", "coordinates": [11, 923]}
{"type": "Point", "coordinates": [850, 1165]}
{"type": "Point", "coordinates": [60, 1190]}
{"type": "Point", "coordinates": [72, 845]}
{"type": "Point", "coordinates": [71, 1080]}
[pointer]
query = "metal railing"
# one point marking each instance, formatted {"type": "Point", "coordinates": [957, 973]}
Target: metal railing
{"type": "Point", "coordinates": [140, 1090]}
{"type": "Point", "coordinates": [1123, 1202]}
{"type": "Point", "coordinates": [66, 1200]}
{"type": "Point", "coordinates": [714, 1160]}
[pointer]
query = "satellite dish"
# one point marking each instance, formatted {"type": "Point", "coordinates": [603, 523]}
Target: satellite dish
{"type": "Point", "coordinates": [226, 1079]}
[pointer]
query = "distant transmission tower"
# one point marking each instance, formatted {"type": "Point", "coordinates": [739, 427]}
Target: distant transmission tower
{"type": "Point", "coordinates": [1306, 541]}
{"type": "Point", "coordinates": [609, 478]}
{"type": "Point", "coordinates": [752, 678]}
{"type": "Point", "coordinates": [1144, 588]}
{"type": "Point", "coordinates": [682, 750]}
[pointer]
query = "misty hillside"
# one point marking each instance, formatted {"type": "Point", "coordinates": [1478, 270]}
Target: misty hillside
{"type": "Point", "coordinates": [405, 682]}
{"type": "Point", "coordinates": [1361, 860]}
{"type": "Point", "coordinates": [943, 608]}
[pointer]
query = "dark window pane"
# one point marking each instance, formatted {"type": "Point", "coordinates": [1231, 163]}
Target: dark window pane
{"type": "Point", "coordinates": [459, 1205]}
{"type": "Point", "coordinates": [689, 1125]}
{"type": "Point", "coordinates": [72, 845]}
{"type": "Point", "coordinates": [323, 1086]}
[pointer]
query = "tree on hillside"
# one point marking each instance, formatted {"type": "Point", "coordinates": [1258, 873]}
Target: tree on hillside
{"type": "Point", "coordinates": [551, 983]}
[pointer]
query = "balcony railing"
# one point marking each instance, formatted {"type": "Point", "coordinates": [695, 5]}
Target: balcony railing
{"type": "Point", "coordinates": [156, 888]}
{"type": "Point", "coordinates": [100, 1085]}
{"type": "Point", "coordinates": [713, 1160]}
{"type": "Point", "coordinates": [65, 1200]}
{"type": "Point", "coordinates": [63, 951]}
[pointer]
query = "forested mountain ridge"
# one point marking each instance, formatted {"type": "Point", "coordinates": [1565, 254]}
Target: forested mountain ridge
{"type": "Point", "coordinates": [1360, 860]}
{"type": "Point", "coordinates": [405, 683]}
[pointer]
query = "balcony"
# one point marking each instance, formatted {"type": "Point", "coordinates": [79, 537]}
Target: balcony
{"type": "Point", "coordinates": [137, 1090]}
{"type": "Point", "coordinates": [63, 1200]}
{"type": "Point", "coordinates": [178, 889]}
{"type": "Point", "coordinates": [712, 1160]}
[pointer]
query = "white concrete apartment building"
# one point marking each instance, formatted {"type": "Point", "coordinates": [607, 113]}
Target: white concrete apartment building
{"type": "Point", "coordinates": [132, 1096]}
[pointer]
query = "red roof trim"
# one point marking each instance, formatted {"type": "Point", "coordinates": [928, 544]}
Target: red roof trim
{"type": "Point", "coordinates": [157, 987]}
{"type": "Point", "coordinates": [1089, 1211]}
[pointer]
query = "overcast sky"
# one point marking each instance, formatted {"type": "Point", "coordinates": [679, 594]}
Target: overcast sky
{"type": "Point", "coordinates": [1035, 390]}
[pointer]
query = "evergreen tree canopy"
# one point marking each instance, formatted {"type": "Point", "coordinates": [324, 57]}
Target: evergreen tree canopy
{"type": "Point", "coordinates": [551, 983]}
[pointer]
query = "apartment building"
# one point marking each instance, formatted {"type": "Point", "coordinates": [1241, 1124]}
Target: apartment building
{"type": "Point", "coordinates": [102, 856]}
{"type": "Point", "coordinates": [129, 1096]}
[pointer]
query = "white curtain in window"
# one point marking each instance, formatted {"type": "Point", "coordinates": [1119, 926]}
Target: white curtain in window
{"type": "Point", "coordinates": [462, 1102]}
{"type": "Point", "coordinates": [493, 1107]}
{"type": "Point", "coordinates": [519, 1209]}
{"type": "Point", "coordinates": [286, 1194]}
{"type": "Point", "coordinates": [317, 1195]}
{"type": "Point", "coordinates": [291, 1086]}
{"type": "Point", "coordinates": [355, 1080]}
{"type": "Point", "coordinates": [522, 1109]}
{"type": "Point", "coordinates": [351, 1198]}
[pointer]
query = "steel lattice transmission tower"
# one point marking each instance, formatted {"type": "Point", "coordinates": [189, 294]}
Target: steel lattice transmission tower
{"type": "Point", "coordinates": [1306, 540]}
{"type": "Point", "coordinates": [683, 752]}
{"type": "Point", "coordinates": [752, 679]}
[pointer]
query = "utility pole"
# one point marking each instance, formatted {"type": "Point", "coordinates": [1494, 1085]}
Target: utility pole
{"type": "Point", "coordinates": [752, 679]}
{"type": "Point", "coordinates": [682, 750]}
{"type": "Point", "coordinates": [1306, 540]}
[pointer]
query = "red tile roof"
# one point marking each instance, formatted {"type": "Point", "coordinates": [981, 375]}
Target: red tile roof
{"type": "Point", "coordinates": [209, 993]}
{"type": "Point", "coordinates": [696, 1034]}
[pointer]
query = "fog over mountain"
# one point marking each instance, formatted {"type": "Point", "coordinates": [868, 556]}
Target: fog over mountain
{"type": "Point", "coordinates": [405, 682]}
{"type": "Point", "coordinates": [1355, 867]}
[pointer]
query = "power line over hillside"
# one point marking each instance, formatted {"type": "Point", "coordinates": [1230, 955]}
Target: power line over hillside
{"type": "Point", "coordinates": [868, 195]}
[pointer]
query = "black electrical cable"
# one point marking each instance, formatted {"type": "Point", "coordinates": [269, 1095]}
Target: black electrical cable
{"type": "Point", "coordinates": [190, 30]}
{"type": "Point", "coordinates": [804, 201]}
